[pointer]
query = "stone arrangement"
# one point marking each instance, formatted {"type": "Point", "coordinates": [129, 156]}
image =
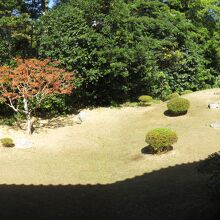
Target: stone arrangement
{"type": "Point", "coordinates": [215, 125]}
{"type": "Point", "coordinates": [22, 143]}
{"type": "Point", "coordinates": [214, 105]}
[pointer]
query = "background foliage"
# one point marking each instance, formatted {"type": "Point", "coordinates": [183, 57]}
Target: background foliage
{"type": "Point", "coordinates": [119, 49]}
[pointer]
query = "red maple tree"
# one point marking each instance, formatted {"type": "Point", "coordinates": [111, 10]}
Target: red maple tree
{"type": "Point", "coordinates": [25, 87]}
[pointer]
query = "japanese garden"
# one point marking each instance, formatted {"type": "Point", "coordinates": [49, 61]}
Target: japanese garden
{"type": "Point", "coordinates": [110, 109]}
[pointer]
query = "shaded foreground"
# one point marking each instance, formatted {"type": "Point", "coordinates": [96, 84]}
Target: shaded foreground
{"type": "Point", "coordinates": [178, 192]}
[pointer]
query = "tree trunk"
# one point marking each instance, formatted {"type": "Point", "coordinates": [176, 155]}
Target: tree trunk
{"type": "Point", "coordinates": [28, 117]}
{"type": "Point", "coordinates": [44, 6]}
{"type": "Point", "coordinates": [28, 124]}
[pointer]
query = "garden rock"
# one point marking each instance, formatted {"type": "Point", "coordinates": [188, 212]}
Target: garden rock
{"type": "Point", "coordinates": [81, 117]}
{"type": "Point", "coordinates": [22, 143]}
{"type": "Point", "coordinates": [215, 125]}
{"type": "Point", "coordinates": [214, 105]}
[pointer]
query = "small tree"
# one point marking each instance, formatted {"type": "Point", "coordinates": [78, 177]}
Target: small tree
{"type": "Point", "coordinates": [25, 87]}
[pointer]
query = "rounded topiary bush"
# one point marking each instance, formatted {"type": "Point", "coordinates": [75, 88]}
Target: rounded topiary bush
{"type": "Point", "coordinates": [160, 139]}
{"type": "Point", "coordinates": [145, 99]}
{"type": "Point", "coordinates": [172, 96]}
{"type": "Point", "coordinates": [7, 142]}
{"type": "Point", "coordinates": [178, 106]}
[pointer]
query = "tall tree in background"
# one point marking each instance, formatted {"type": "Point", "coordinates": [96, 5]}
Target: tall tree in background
{"type": "Point", "coordinates": [120, 48]}
{"type": "Point", "coordinates": [35, 8]}
{"type": "Point", "coordinates": [17, 19]}
{"type": "Point", "coordinates": [124, 48]}
{"type": "Point", "coordinates": [15, 29]}
{"type": "Point", "coordinates": [44, 5]}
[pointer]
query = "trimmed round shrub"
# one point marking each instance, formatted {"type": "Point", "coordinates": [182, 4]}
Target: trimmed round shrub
{"type": "Point", "coordinates": [161, 138]}
{"type": "Point", "coordinates": [172, 96]}
{"type": "Point", "coordinates": [145, 99]}
{"type": "Point", "coordinates": [178, 106]}
{"type": "Point", "coordinates": [186, 92]}
{"type": "Point", "coordinates": [7, 142]}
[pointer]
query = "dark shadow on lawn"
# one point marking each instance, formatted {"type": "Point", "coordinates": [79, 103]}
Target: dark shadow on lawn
{"type": "Point", "coordinates": [173, 193]}
{"type": "Point", "coordinates": [170, 114]}
{"type": "Point", "coordinates": [149, 150]}
{"type": "Point", "coordinates": [55, 123]}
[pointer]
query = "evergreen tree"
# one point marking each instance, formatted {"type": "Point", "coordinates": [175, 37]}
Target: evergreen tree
{"type": "Point", "coordinates": [15, 30]}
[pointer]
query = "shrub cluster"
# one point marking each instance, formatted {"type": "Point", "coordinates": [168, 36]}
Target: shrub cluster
{"type": "Point", "coordinates": [7, 142]}
{"type": "Point", "coordinates": [172, 96]}
{"type": "Point", "coordinates": [145, 99]}
{"type": "Point", "coordinates": [7, 121]}
{"type": "Point", "coordinates": [178, 106]}
{"type": "Point", "coordinates": [161, 138]}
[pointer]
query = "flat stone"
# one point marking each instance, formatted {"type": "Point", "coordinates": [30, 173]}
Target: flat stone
{"type": "Point", "coordinates": [22, 143]}
{"type": "Point", "coordinates": [215, 125]}
{"type": "Point", "coordinates": [81, 117]}
{"type": "Point", "coordinates": [214, 106]}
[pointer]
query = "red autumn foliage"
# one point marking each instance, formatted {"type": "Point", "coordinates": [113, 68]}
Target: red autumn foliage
{"type": "Point", "coordinates": [33, 80]}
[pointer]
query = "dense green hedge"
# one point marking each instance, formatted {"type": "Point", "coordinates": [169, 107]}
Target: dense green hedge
{"type": "Point", "coordinates": [122, 49]}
